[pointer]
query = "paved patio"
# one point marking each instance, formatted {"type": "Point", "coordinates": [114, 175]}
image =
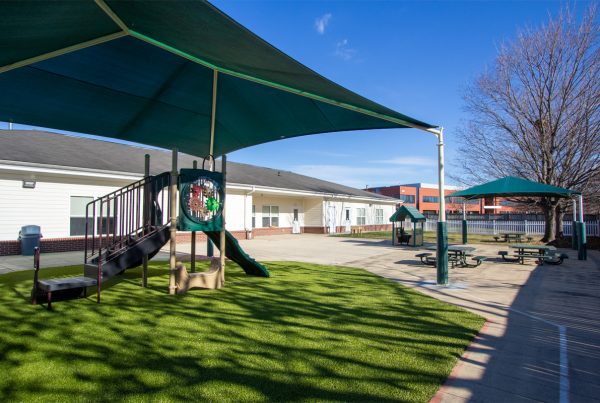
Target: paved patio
{"type": "Point", "coordinates": [542, 338]}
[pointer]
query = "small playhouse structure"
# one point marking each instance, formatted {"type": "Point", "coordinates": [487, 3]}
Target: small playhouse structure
{"type": "Point", "coordinates": [409, 236]}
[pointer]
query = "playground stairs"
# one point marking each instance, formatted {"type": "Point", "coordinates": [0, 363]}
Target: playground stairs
{"type": "Point", "coordinates": [121, 228]}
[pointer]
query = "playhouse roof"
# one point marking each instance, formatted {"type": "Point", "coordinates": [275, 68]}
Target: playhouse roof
{"type": "Point", "coordinates": [407, 211]}
{"type": "Point", "coordinates": [148, 71]}
{"type": "Point", "coordinates": [511, 186]}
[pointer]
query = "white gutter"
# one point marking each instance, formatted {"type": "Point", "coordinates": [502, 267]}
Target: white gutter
{"type": "Point", "coordinates": [132, 176]}
{"type": "Point", "coordinates": [64, 170]}
{"type": "Point", "coordinates": [245, 207]}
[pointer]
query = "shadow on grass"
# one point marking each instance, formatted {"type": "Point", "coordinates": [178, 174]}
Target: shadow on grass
{"type": "Point", "coordinates": [309, 332]}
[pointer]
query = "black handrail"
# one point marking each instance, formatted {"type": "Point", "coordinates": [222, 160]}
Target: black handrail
{"type": "Point", "coordinates": [118, 219]}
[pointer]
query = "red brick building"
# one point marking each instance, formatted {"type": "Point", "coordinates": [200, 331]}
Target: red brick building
{"type": "Point", "coordinates": [425, 197]}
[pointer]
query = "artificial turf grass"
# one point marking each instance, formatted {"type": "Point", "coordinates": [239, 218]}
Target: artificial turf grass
{"type": "Point", "coordinates": [310, 332]}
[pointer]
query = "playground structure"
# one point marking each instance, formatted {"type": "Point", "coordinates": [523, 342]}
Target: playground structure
{"type": "Point", "coordinates": [127, 227]}
{"type": "Point", "coordinates": [399, 234]}
{"type": "Point", "coordinates": [74, 76]}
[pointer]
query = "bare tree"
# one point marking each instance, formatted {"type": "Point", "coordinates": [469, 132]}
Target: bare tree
{"type": "Point", "coordinates": [535, 113]}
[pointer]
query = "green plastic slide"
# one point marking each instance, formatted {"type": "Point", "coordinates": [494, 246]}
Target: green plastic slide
{"type": "Point", "coordinates": [234, 251]}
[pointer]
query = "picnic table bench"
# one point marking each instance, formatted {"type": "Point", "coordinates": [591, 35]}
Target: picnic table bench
{"type": "Point", "coordinates": [457, 256]}
{"type": "Point", "coordinates": [356, 229]}
{"type": "Point", "coordinates": [541, 253]}
{"type": "Point", "coordinates": [512, 236]}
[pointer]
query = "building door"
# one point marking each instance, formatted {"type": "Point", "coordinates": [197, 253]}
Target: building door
{"type": "Point", "coordinates": [296, 223]}
{"type": "Point", "coordinates": [347, 220]}
{"type": "Point", "coordinates": [331, 219]}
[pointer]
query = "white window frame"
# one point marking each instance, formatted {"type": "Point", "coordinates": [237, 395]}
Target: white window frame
{"type": "Point", "coordinates": [272, 217]}
{"type": "Point", "coordinates": [80, 215]}
{"type": "Point", "coordinates": [379, 216]}
{"type": "Point", "coordinates": [361, 216]}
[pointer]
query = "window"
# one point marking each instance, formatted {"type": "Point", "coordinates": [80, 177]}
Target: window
{"type": "Point", "coordinates": [347, 214]}
{"type": "Point", "coordinates": [295, 214]}
{"type": "Point", "coordinates": [460, 200]}
{"type": "Point", "coordinates": [379, 216]}
{"type": "Point", "coordinates": [431, 199]}
{"type": "Point", "coordinates": [270, 216]}
{"type": "Point", "coordinates": [77, 214]}
{"type": "Point", "coordinates": [253, 216]}
{"type": "Point", "coordinates": [361, 218]}
{"type": "Point", "coordinates": [407, 198]}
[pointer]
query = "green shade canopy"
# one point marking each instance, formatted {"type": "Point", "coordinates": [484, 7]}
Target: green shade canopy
{"type": "Point", "coordinates": [407, 211]}
{"type": "Point", "coordinates": [143, 71]}
{"type": "Point", "coordinates": [511, 186]}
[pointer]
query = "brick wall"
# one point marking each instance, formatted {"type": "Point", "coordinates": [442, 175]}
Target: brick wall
{"type": "Point", "coordinates": [70, 244]}
{"type": "Point", "coordinates": [314, 230]}
{"type": "Point", "coordinates": [10, 248]}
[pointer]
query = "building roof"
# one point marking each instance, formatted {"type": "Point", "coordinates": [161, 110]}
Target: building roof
{"type": "Point", "coordinates": [417, 185]}
{"type": "Point", "coordinates": [513, 186]}
{"type": "Point", "coordinates": [47, 148]}
{"type": "Point", "coordinates": [407, 211]}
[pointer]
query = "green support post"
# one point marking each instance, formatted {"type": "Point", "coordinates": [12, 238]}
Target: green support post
{"type": "Point", "coordinates": [442, 252]}
{"type": "Point", "coordinates": [581, 235]}
{"type": "Point", "coordinates": [574, 244]}
{"type": "Point", "coordinates": [581, 241]}
{"type": "Point", "coordinates": [465, 237]}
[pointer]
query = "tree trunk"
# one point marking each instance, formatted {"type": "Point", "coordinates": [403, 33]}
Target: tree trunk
{"type": "Point", "coordinates": [550, 218]}
{"type": "Point", "coordinates": [559, 221]}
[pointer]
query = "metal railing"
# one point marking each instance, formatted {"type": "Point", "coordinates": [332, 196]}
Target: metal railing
{"type": "Point", "coordinates": [493, 227]}
{"type": "Point", "coordinates": [124, 217]}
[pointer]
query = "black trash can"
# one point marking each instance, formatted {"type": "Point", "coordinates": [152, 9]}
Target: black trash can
{"type": "Point", "coordinates": [29, 236]}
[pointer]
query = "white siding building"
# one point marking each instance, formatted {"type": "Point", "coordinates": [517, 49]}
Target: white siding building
{"type": "Point", "coordinates": [46, 179]}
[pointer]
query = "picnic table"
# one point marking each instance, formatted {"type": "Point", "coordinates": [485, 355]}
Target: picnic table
{"type": "Point", "coordinates": [457, 256]}
{"type": "Point", "coordinates": [513, 236]}
{"type": "Point", "coordinates": [542, 253]}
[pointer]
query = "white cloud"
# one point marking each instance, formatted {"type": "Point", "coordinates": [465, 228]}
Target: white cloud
{"type": "Point", "coordinates": [344, 51]}
{"type": "Point", "coordinates": [322, 22]}
{"type": "Point", "coordinates": [414, 161]}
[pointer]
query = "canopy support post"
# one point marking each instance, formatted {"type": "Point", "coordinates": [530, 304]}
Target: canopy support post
{"type": "Point", "coordinates": [193, 246]}
{"type": "Point", "coordinates": [222, 239]}
{"type": "Point", "coordinates": [442, 229]}
{"type": "Point", "coordinates": [465, 238]}
{"type": "Point", "coordinates": [146, 214]}
{"type": "Point", "coordinates": [210, 249]}
{"type": "Point", "coordinates": [574, 244]}
{"type": "Point", "coordinates": [581, 236]}
{"type": "Point", "coordinates": [173, 228]}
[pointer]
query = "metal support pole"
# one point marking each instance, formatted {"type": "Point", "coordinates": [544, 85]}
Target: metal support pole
{"type": "Point", "coordinates": [173, 229]}
{"type": "Point", "coordinates": [574, 243]}
{"type": "Point", "coordinates": [222, 234]}
{"type": "Point", "coordinates": [465, 238]}
{"type": "Point", "coordinates": [442, 229]}
{"type": "Point", "coordinates": [393, 233]}
{"type": "Point", "coordinates": [146, 226]}
{"type": "Point", "coordinates": [210, 250]}
{"type": "Point", "coordinates": [581, 236]}
{"type": "Point", "coordinates": [193, 246]}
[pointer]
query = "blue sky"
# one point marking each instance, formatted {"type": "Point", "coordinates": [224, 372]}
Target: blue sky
{"type": "Point", "coordinates": [412, 56]}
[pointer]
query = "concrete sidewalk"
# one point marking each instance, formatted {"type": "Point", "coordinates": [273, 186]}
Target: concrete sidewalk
{"type": "Point", "coordinates": [542, 338]}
